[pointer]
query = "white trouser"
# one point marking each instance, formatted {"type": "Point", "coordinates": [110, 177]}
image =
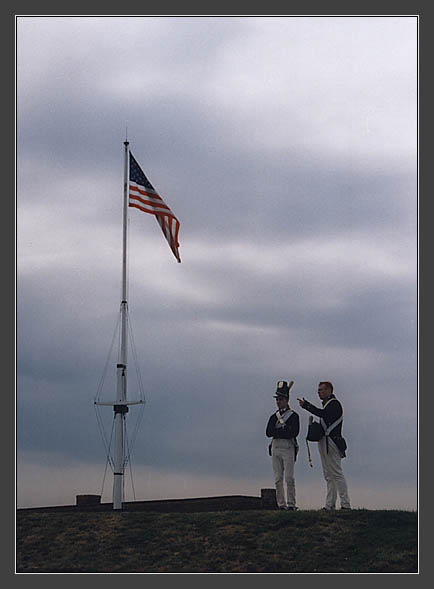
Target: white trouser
{"type": "Point", "coordinates": [283, 468]}
{"type": "Point", "coordinates": [333, 474]}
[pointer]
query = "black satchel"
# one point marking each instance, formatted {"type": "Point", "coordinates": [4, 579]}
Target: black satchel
{"type": "Point", "coordinates": [315, 432]}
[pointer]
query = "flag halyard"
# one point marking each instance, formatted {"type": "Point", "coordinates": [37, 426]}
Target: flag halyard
{"type": "Point", "coordinates": [143, 196]}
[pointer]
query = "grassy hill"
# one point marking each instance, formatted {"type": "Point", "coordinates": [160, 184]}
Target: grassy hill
{"type": "Point", "coordinates": [256, 541]}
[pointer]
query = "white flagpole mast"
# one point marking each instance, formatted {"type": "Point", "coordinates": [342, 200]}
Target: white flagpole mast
{"type": "Point", "coordinates": [120, 404]}
{"type": "Point", "coordinates": [121, 408]}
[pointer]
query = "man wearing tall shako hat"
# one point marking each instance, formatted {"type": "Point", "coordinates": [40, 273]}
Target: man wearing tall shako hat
{"type": "Point", "coordinates": [284, 426]}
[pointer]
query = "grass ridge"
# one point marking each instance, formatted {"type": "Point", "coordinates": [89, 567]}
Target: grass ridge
{"type": "Point", "coordinates": [264, 541]}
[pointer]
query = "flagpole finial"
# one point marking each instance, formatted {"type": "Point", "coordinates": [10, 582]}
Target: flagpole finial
{"type": "Point", "coordinates": [126, 142]}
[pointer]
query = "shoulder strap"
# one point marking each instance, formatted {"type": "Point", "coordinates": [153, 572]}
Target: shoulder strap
{"type": "Point", "coordinates": [282, 419]}
{"type": "Point", "coordinates": [331, 427]}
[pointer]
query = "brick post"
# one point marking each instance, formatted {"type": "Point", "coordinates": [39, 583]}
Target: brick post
{"type": "Point", "coordinates": [86, 500]}
{"type": "Point", "coordinates": [268, 499]}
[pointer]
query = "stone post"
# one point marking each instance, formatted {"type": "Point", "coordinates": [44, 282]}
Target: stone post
{"type": "Point", "coordinates": [268, 499]}
{"type": "Point", "coordinates": [88, 500]}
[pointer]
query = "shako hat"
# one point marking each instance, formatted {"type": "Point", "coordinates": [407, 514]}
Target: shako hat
{"type": "Point", "coordinates": [282, 389]}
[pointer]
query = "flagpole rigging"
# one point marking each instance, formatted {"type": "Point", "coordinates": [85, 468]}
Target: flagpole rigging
{"type": "Point", "coordinates": [121, 408]}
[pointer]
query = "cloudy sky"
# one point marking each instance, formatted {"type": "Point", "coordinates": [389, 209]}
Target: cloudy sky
{"type": "Point", "coordinates": [287, 148]}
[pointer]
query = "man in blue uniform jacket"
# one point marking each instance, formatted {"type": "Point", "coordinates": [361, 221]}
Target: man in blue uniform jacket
{"type": "Point", "coordinates": [332, 445]}
{"type": "Point", "coordinates": [284, 426]}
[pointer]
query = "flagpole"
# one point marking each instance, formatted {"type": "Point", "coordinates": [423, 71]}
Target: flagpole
{"type": "Point", "coordinates": [120, 407]}
{"type": "Point", "coordinates": [124, 262]}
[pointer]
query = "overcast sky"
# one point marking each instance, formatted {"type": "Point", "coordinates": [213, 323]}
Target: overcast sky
{"type": "Point", "coordinates": [287, 148]}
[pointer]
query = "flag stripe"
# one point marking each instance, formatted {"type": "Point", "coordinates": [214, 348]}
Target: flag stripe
{"type": "Point", "coordinates": [149, 207]}
{"type": "Point", "coordinates": [151, 194]}
{"type": "Point", "coordinates": [143, 196]}
{"type": "Point", "coordinates": [146, 196]}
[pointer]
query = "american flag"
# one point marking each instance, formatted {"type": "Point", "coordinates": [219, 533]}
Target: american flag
{"type": "Point", "coordinates": [143, 196]}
